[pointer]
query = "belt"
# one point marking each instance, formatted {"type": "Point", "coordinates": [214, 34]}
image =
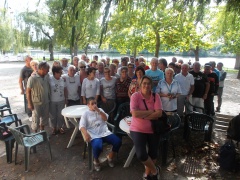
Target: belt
{"type": "Point", "coordinates": [171, 113]}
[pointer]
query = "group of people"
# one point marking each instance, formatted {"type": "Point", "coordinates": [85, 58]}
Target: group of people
{"type": "Point", "coordinates": [149, 90]}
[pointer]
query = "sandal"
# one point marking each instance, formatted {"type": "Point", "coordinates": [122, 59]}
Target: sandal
{"type": "Point", "coordinates": [61, 131]}
{"type": "Point", "coordinates": [54, 132]}
{"type": "Point", "coordinates": [110, 162]}
{"type": "Point", "coordinates": [97, 166]}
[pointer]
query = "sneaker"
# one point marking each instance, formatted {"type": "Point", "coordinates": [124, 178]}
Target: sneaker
{"type": "Point", "coordinates": [110, 162]}
{"type": "Point", "coordinates": [97, 166]}
{"type": "Point", "coordinates": [30, 119]}
{"type": "Point", "coordinates": [146, 177]}
{"type": "Point", "coordinates": [157, 176]}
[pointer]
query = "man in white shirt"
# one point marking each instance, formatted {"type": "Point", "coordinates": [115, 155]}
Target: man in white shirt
{"type": "Point", "coordinates": [186, 82]}
{"type": "Point", "coordinates": [73, 86]}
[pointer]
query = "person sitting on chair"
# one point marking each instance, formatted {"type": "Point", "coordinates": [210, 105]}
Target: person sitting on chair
{"type": "Point", "coordinates": [95, 131]}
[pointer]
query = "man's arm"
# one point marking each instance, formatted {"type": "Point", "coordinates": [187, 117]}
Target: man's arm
{"type": "Point", "coordinates": [207, 84]}
{"type": "Point", "coordinates": [29, 99]}
{"type": "Point", "coordinates": [21, 85]}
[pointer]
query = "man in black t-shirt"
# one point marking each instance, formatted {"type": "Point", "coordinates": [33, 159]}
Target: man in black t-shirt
{"type": "Point", "coordinates": [25, 73]}
{"type": "Point", "coordinates": [214, 83]}
{"type": "Point", "coordinates": [201, 86]}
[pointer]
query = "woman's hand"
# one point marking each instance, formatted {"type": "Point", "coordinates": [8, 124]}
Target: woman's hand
{"type": "Point", "coordinates": [96, 108]}
{"type": "Point", "coordinates": [87, 137]}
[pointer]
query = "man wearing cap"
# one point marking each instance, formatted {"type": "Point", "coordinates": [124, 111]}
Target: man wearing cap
{"type": "Point", "coordinates": [65, 65]}
{"type": "Point", "coordinates": [213, 89]}
{"type": "Point", "coordinates": [214, 69]}
{"type": "Point", "coordinates": [25, 73]}
{"type": "Point", "coordinates": [201, 86]}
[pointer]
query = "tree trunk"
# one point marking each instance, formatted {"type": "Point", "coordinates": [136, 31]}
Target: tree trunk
{"type": "Point", "coordinates": [50, 48]}
{"type": "Point", "coordinates": [86, 49]}
{"type": "Point", "coordinates": [75, 49]}
{"type": "Point", "coordinates": [196, 53]}
{"type": "Point", "coordinates": [237, 65]}
{"type": "Point", "coordinates": [135, 52]}
{"type": "Point", "coordinates": [237, 62]}
{"type": "Point", "coordinates": [157, 44]}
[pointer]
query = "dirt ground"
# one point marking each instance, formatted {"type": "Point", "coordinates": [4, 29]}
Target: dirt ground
{"type": "Point", "coordinates": [195, 160]}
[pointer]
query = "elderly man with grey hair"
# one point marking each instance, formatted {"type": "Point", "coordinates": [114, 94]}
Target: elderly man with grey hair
{"type": "Point", "coordinates": [73, 85]}
{"type": "Point", "coordinates": [25, 73]}
{"type": "Point", "coordinates": [155, 73]}
{"type": "Point", "coordinates": [100, 71]}
{"type": "Point", "coordinates": [186, 82]}
{"type": "Point", "coordinates": [38, 96]}
{"type": "Point", "coordinates": [201, 86]}
{"type": "Point", "coordinates": [65, 65]}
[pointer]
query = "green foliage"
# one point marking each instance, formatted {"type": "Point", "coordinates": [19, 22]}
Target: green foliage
{"type": "Point", "coordinates": [75, 22]}
{"type": "Point", "coordinates": [228, 30]}
{"type": "Point", "coordinates": [6, 33]}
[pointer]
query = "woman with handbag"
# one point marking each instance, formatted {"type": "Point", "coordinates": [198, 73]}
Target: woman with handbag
{"type": "Point", "coordinates": [145, 106]}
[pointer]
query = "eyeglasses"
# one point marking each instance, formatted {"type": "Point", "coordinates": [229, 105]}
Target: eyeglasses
{"type": "Point", "coordinates": [82, 66]}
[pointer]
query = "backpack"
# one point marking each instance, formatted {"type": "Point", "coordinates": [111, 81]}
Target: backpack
{"type": "Point", "coordinates": [233, 131]}
{"type": "Point", "coordinates": [227, 156]}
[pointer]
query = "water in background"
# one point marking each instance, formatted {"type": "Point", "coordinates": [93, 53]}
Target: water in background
{"type": "Point", "coordinates": [228, 62]}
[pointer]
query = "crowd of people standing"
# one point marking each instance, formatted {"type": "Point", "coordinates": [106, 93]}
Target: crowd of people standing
{"type": "Point", "coordinates": [164, 87]}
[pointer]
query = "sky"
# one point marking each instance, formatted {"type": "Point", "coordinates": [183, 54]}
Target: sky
{"type": "Point", "coordinates": [16, 6]}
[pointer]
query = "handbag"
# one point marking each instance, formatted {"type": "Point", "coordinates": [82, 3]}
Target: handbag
{"type": "Point", "coordinates": [161, 125]}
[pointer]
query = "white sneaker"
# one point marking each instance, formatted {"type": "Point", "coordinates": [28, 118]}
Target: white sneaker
{"type": "Point", "coordinates": [110, 162]}
{"type": "Point", "coordinates": [30, 118]}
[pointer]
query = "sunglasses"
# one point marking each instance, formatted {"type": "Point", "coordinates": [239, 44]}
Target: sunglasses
{"type": "Point", "coordinates": [82, 66]}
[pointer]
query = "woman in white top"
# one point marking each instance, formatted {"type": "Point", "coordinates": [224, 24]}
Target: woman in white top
{"type": "Point", "coordinates": [169, 89]}
{"type": "Point", "coordinates": [58, 99]}
{"type": "Point", "coordinates": [94, 128]}
{"type": "Point", "coordinates": [107, 86]}
{"type": "Point", "coordinates": [90, 86]}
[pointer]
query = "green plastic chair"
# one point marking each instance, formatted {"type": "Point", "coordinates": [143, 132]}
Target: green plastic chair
{"type": "Point", "coordinates": [28, 140]}
{"type": "Point", "coordinates": [5, 106]}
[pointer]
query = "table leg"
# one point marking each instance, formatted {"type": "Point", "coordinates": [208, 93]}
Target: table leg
{"type": "Point", "coordinates": [75, 123]}
{"type": "Point", "coordinates": [66, 122]}
{"type": "Point", "coordinates": [130, 157]}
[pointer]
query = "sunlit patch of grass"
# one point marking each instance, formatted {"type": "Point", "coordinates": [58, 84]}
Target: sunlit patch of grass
{"type": "Point", "coordinates": [230, 70]}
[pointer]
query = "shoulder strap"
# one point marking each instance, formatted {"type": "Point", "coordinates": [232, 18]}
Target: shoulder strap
{"type": "Point", "coordinates": [145, 101]}
{"type": "Point", "coordinates": [153, 97]}
{"type": "Point", "coordinates": [145, 104]}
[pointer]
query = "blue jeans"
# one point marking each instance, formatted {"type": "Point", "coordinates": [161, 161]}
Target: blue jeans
{"type": "Point", "coordinates": [97, 144]}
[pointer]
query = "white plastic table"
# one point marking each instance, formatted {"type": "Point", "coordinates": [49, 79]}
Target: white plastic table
{"type": "Point", "coordinates": [71, 114]}
{"type": "Point", "coordinates": [125, 127]}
